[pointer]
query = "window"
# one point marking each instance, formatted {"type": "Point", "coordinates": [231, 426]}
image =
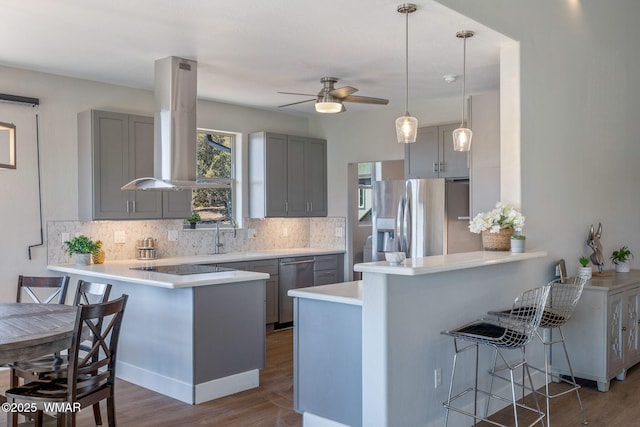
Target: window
{"type": "Point", "coordinates": [215, 159]}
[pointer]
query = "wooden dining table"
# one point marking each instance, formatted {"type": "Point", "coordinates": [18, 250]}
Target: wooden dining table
{"type": "Point", "coordinates": [28, 331]}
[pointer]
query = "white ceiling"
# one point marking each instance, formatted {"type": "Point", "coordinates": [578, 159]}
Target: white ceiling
{"type": "Point", "coordinates": [248, 51]}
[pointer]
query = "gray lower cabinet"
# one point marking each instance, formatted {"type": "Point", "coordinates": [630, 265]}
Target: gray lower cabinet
{"type": "Point", "coordinates": [432, 155]}
{"type": "Point", "coordinates": [113, 149]}
{"type": "Point", "coordinates": [287, 176]}
{"type": "Point", "coordinates": [602, 336]}
{"type": "Point", "coordinates": [327, 269]}
{"type": "Point", "coordinates": [269, 266]}
{"type": "Point", "coordinates": [328, 360]}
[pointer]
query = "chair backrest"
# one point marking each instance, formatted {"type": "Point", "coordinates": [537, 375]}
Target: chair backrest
{"type": "Point", "coordinates": [562, 301]}
{"type": "Point", "coordinates": [91, 293]}
{"type": "Point", "coordinates": [56, 288]}
{"type": "Point", "coordinates": [525, 316]}
{"type": "Point", "coordinates": [93, 370]}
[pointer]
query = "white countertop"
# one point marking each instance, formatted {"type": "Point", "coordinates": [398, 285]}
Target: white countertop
{"type": "Point", "coordinates": [440, 263]}
{"type": "Point", "coordinates": [344, 293]}
{"type": "Point", "coordinates": [121, 270]}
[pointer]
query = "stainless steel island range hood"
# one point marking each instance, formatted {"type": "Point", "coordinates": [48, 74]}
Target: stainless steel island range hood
{"type": "Point", "coordinates": [174, 164]}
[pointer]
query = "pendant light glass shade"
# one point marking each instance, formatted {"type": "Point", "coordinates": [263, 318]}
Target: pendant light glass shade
{"type": "Point", "coordinates": [406, 129]}
{"type": "Point", "coordinates": [462, 136]}
{"type": "Point", "coordinates": [462, 139]}
{"type": "Point", "coordinates": [406, 126]}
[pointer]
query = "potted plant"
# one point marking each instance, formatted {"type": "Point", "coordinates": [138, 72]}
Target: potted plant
{"type": "Point", "coordinates": [497, 226]}
{"type": "Point", "coordinates": [584, 270]}
{"type": "Point", "coordinates": [195, 218]}
{"type": "Point", "coordinates": [621, 259]}
{"type": "Point", "coordinates": [517, 243]}
{"type": "Point", "coordinates": [82, 247]}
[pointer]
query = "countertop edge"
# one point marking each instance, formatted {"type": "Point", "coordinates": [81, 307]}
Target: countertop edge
{"type": "Point", "coordinates": [343, 293]}
{"type": "Point", "coordinates": [443, 263]}
{"type": "Point", "coordinates": [159, 279]}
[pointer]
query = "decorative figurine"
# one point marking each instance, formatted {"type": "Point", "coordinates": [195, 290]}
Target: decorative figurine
{"type": "Point", "coordinates": [594, 243]}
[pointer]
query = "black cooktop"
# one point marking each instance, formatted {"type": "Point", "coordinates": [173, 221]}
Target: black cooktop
{"type": "Point", "coordinates": [183, 269]}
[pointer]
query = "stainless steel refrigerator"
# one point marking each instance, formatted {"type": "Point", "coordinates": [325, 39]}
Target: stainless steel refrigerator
{"type": "Point", "coordinates": [416, 216]}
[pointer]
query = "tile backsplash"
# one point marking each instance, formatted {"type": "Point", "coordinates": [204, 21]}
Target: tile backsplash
{"type": "Point", "coordinates": [270, 233]}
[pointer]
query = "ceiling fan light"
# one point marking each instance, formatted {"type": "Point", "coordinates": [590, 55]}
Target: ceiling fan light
{"type": "Point", "coordinates": [406, 129]}
{"type": "Point", "coordinates": [462, 139]}
{"type": "Point", "coordinates": [328, 107]}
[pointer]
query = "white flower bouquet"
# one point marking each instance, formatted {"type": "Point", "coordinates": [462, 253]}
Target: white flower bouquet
{"type": "Point", "coordinates": [503, 216]}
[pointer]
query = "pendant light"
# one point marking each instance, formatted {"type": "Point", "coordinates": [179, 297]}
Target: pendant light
{"type": "Point", "coordinates": [462, 136]}
{"type": "Point", "coordinates": [406, 126]}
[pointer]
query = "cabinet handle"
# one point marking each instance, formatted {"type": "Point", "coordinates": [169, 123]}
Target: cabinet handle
{"type": "Point", "coordinates": [310, 206]}
{"type": "Point", "coordinates": [441, 168]}
{"type": "Point", "coordinates": [435, 166]}
{"type": "Point", "coordinates": [286, 206]}
{"type": "Point", "coordinates": [134, 205]}
{"type": "Point", "coordinates": [127, 207]}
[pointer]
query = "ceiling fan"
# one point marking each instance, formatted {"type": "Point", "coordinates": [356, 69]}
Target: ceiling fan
{"type": "Point", "coordinates": [330, 100]}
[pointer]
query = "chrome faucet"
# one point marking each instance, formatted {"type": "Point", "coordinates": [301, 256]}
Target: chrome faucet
{"type": "Point", "coordinates": [217, 245]}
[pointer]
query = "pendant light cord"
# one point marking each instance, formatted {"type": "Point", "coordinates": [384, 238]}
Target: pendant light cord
{"type": "Point", "coordinates": [464, 77]}
{"type": "Point", "coordinates": [406, 63]}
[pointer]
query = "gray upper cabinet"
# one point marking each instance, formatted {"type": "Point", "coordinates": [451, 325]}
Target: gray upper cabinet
{"type": "Point", "coordinates": [113, 149]}
{"type": "Point", "coordinates": [287, 176]}
{"type": "Point", "coordinates": [432, 155]}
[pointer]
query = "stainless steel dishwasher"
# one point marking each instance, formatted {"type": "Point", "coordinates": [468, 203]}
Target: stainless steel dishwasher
{"type": "Point", "coordinates": [296, 272]}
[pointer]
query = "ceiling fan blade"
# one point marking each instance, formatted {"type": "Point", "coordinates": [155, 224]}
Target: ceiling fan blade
{"type": "Point", "coordinates": [295, 103]}
{"type": "Point", "coordinates": [366, 100]}
{"type": "Point", "coordinates": [294, 93]}
{"type": "Point", "coordinates": [342, 92]}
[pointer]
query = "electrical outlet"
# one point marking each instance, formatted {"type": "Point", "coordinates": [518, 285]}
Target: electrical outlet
{"type": "Point", "coordinates": [437, 377]}
{"type": "Point", "coordinates": [251, 233]}
{"type": "Point", "coordinates": [338, 231]}
{"type": "Point", "coordinates": [172, 235]}
{"type": "Point", "coordinates": [64, 237]}
{"type": "Point", "coordinates": [557, 271]}
{"type": "Point", "coordinates": [285, 232]}
{"type": "Point", "coordinates": [119, 237]}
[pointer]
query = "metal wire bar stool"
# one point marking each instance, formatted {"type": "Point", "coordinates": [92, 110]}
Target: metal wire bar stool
{"type": "Point", "coordinates": [562, 301]}
{"type": "Point", "coordinates": [511, 332]}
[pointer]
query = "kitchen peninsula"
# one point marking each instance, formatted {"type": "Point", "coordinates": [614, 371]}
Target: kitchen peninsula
{"type": "Point", "coordinates": [404, 358]}
{"type": "Point", "coordinates": [191, 337]}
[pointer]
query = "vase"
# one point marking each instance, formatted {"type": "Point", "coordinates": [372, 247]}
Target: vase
{"type": "Point", "coordinates": [622, 267]}
{"type": "Point", "coordinates": [500, 241]}
{"type": "Point", "coordinates": [83, 259]}
{"type": "Point", "coordinates": [585, 272]}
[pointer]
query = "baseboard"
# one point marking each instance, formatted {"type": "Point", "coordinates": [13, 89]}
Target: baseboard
{"type": "Point", "coordinates": [185, 392]}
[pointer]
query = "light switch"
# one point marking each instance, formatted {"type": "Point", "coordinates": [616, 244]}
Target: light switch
{"type": "Point", "coordinates": [338, 231]}
{"type": "Point", "coordinates": [119, 237]}
{"type": "Point", "coordinates": [172, 235]}
{"type": "Point", "coordinates": [285, 231]}
{"type": "Point", "coordinates": [64, 237]}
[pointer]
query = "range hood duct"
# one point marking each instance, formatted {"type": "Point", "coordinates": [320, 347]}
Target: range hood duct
{"type": "Point", "coordinates": [175, 132]}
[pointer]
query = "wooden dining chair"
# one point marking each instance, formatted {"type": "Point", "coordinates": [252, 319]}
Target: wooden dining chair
{"type": "Point", "coordinates": [90, 377]}
{"type": "Point", "coordinates": [55, 365]}
{"type": "Point", "coordinates": [42, 290]}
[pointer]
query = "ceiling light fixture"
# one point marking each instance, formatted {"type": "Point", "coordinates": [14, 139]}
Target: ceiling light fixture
{"type": "Point", "coordinates": [328, 104]}
{"type": "Point", "coordinates": [462, 136]}
{"type": "Point", "coordinates": [406, 126]}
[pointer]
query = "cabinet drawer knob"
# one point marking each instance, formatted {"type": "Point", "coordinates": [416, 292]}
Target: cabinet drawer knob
{"type": "Point", "coordinates": [624, 328]}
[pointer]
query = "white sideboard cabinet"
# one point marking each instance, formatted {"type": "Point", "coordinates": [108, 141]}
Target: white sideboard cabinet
{"type": "Point", "coordinates": [602, 336]}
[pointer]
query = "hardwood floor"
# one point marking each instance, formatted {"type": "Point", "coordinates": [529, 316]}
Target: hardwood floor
{"type": "Point", "coordinates": [271, 404]}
